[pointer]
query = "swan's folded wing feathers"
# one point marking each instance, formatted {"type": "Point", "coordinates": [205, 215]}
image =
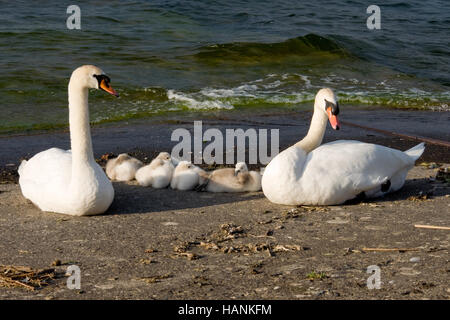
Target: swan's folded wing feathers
{"type": "Point", "coordinates": [355, 167]}
{"type": "Point", "coordinates": [47, 171]}
{"type": "Point", "coordinates": [51, 165]}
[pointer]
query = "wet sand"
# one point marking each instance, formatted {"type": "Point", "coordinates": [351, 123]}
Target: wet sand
{"type": "Point", "coordinates": [166, 244]}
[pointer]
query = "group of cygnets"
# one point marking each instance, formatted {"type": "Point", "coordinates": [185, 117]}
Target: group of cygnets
{"type": "Point", "coordinates": [166, 170]}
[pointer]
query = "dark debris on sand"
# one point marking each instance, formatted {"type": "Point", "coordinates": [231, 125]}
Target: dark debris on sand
{"type": "Point", "coordinates": [25, 277]}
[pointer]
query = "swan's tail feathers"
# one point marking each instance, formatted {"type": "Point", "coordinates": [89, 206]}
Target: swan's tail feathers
{"type": "Point", "coordinates": [416, 152]}
{"type": "Point", "coordinates": [22, 166]}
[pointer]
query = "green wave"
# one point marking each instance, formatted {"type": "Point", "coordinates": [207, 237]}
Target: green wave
{"type": "Point", "coordinates": [310, 44]}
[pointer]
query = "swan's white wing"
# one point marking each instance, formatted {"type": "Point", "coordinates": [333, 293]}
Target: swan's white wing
{"type": "Point", "coordinates": [338, 171]}
{"type": "Point", "coordinates": [48, 173]}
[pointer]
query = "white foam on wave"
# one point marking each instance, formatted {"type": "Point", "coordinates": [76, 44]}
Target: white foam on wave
{"type": "Point", "coordinates": [192, 103]}
{"type": "Point", "coordinates": [272, 89]}
{"type": "Point", "coordinates": [245, 90]}
{"type": "Point", "coordinates": [272, 85]}
{"type": "Point", "coordinates": [306, 80]}
{"type": "Point", "coordinates": [293, 98]}
{"type": "Point", "coordinates": [294, 88]}
{"type": "Point", "coordinates": [260, 87]}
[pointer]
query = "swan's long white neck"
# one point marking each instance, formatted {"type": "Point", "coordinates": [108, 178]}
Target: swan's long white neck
{"type": "Point", "coordinates": [316, 131]}
{"type": "Point", "coordinates": [80, 133]}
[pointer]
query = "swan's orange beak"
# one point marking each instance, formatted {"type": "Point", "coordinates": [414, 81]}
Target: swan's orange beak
{"type": "Point", "coordinates": [334, 121]}
{"type": "Point", "coordinates": [106, 87]}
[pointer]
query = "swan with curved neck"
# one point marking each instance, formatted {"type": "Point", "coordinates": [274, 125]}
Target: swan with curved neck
{"type": "Point", "coordinates": [71, 182]}
{"type": "Point", "coordinates": [310, 174]}
{"type": "Point", "coordinates": [325, 108]}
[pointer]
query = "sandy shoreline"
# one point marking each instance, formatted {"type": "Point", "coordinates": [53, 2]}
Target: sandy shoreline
{"type": "Point", "coordinates": [274, 252]}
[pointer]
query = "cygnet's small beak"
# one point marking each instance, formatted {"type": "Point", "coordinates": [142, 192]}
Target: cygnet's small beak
{"type": "Point", "coordinates": [106, 87]}
{"type": "Point", "coordinates": [334, 121]}
{"type": "Point", "coordinates": [236, 172]}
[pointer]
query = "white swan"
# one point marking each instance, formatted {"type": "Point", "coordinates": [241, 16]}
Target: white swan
{"type": "Point", "coordinates": [187, 176]}
{"type": "Point", "coordinates": [71, 182]}
{"type": "Point", "coordinates": [334, 172]}
{"type": "Point", "coordinates": [123, 167]}
{"type": "Point", "coordinates": [158, 173]}
{"type": "Point", "coordinates": [238, 179]}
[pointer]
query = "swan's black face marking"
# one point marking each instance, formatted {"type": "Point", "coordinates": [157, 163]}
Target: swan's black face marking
{"type": "Point", "coordinates": [334, 107]}
{"type": "Point", "coordinates": [101, 78]}
{"type": "Point", "coordinates": [103, 84]}
{"type": "Point", "coordinates": [385, 186]}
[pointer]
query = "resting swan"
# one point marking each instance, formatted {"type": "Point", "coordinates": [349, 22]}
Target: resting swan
{"type": "Point", "coordinates": [158, 173]}
{"type": "Point", "coordinates": [122, 168]}
{"type": "Point", "coordinates": [238, 179]}
{"type": "Point", "coordinates": [334, 172]}
{"type": "Point", "coordinates": [71, 182]}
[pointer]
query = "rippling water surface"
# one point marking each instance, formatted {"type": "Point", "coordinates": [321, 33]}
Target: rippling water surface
{"type": "Point", "coordinates": [166, 56]}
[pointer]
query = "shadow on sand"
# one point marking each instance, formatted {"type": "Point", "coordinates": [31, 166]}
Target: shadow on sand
{"type": "Point", "coordinates": [415, 188]}
{"type": "Point", "coordinates": [132, 198]}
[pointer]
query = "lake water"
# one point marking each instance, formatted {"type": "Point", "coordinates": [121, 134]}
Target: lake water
{"type": "Point", "coordinates": [180, 56]}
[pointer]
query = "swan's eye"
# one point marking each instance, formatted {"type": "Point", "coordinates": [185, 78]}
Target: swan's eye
{"type": "Point", "coordinates": [102, 78]}
{"type": "Point", "coordinates": [103, 83]}
{"type": "Point", "coordinates": [334, 107]}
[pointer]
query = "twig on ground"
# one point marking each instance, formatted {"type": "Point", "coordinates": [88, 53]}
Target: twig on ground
{"type": "Point", "coordinates": [431, 227]}
{"type": "Point", "coordinates": [20, 276]}
{"type": "Point", "coordinates": [389, 249]}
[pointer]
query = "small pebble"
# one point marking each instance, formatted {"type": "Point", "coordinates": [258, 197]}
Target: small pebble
{"type": "Point", "coordinates": [414, 259]}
